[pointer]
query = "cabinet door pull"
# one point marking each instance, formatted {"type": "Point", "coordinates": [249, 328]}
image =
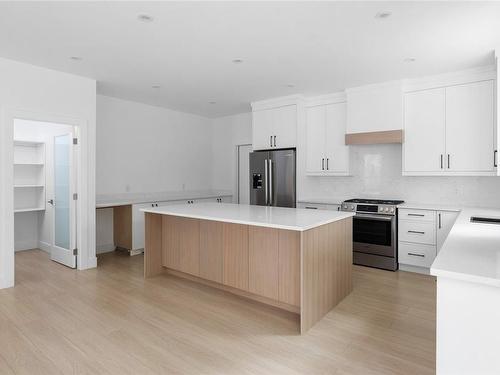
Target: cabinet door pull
{"type": "Point", "coordinates": [311, 208]}
{"type": "Point", "coordinates": [439, 220]}
{"type": "Point", "coordinates": [274, 141]}
{"type": "Point", "coordinates": [327, 167]}
{"type": "Point", "coordinates": [441, 161]}
{"type": "Point", "coordinates": [416, 232]}
{"type": "Point", "coordinates": [448, 161]}
{"type": "Point", "coordinates": [419, 215]}
{"type": "Point", "coordinates": [323, 164]}
{"type": "Point", "coordinates": [417, 255]}
{"type": "Point", "coordinates": [495, 162]}
{"type": "Point", "coordinates": [271, 141]}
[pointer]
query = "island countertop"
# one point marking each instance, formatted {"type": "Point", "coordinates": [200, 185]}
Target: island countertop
{"type": "Point", "coordinates": [296, 219]}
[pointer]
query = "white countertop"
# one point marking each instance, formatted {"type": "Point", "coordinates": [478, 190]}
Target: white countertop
{"type": "Point", "coordinates": [297, 219]}
{"type": "Point", "coordinates": [471, 251]}
{"type": "Point", "coordinates": [429, 206]}
{"type": "Point", "coordinates": [329, 200]}
{"type": "Point", "coordinates": [110, 200]}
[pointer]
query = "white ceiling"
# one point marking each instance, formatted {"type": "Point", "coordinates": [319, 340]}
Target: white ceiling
{"type": "Point", "coordinates": [320, 47]}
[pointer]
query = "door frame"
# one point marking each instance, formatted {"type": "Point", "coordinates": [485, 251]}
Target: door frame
{"type": "Point", "coordinates": [85, 230]}
{"type": "Point", "coordinates": [238, 169]}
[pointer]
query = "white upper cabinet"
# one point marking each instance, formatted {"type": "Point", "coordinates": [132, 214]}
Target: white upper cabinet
{"type": "Point", "coordinates": [374, 108]}
{"type": "Point", "coordinates": [424, 120]}
{"type": "Point", "coordinates": [262, 123]}
{"type": "Point", "coordinates": [285, 126]}
{"type": "Point", "coordinates": [336, 152]}
{"type": "Point", "coordinates": [470, 127]}
{"type": "Point", "coordinates": [450, 130]}
{"type": "Point", "coordinates": [326, 153]}
{"type": "Point", "coordinates": [274, 123]}
{"type": "Point", "coordinates": [315, 122]}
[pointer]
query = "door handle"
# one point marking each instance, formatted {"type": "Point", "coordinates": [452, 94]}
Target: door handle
{"type": "Point", "coordinates": [495, 163]}
{"type": "Point", "coordinates": [323, 164]}
{"type": "Point", "coordinates": [266, 176]}
{"type": "Point", "coordinates": [270, 182]}
{"type": "Point", "coordinates": [439, 220]}
{"type": "Point", "coordinates": [271, 141]}
{"type": "Point", "coordinates": [51, 201]}
{"type": "Point", "coordinates": [274, 141]}
{"type": "Point", "coordinates": [448, 161]}
{"type": "Point", "coordinates": [327, 167]}
{"type": "Point", "coordinates": [441, 161]}
{"type": "Point", "coordinates": [417, 255]}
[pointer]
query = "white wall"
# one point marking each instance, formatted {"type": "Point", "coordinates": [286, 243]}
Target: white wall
{"type": "Point", "coordinates": [227, 133]}
{"type": "Point", "coordinates": [147, 149]}
{"type": "Point", "coordinates": [45, 94]}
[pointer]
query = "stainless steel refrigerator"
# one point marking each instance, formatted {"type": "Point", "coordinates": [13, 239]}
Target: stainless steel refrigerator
{"type": "Point", "coordinates": [272, 178]}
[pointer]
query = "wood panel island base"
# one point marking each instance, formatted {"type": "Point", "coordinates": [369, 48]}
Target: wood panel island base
{"type": "Point", "coordinates": [293, 259]}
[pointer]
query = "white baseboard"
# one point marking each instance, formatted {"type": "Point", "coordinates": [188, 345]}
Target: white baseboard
{"type": "Point", "coordinates": [25, 245]}
{"type": "Point", "coordinates": [416, 269]}
{"type": "Point", "coordinates": [106, 248]}
{"type": "Point", "coordinates": [45, 246]}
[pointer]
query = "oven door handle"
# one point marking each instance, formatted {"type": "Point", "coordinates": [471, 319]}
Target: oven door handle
{"type": "Point", "coordinates": [373, 217]}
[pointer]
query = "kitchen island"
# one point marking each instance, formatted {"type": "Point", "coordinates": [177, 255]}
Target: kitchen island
{"type": "Point", "coordinates": [298, 260]}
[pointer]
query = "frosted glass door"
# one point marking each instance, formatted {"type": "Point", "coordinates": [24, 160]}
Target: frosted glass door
{"type": "Point", "coordinates": [64, 221]}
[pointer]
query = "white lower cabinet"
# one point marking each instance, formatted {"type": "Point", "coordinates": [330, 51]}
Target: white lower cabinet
{"type": "Point", "coordinates": [416, 254]}
{"type": "Point", "coordinates": [445, 220]}
{"type": "Point", "coordinates": [421, 234]}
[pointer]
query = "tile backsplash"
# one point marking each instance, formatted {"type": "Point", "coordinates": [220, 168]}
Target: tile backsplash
{"type": "Point", "coordinates": [376, 173]}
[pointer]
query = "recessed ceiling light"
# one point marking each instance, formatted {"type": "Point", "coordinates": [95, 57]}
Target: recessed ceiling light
{"type": "Point", "coordinates": [237, 61]}
{"type": "Point", "coordinates": [156, 86]}
{"type": "Point", "coordinates": [383, 15]}
{"type": "Point", "coordinates": [212, 102]}
{"type": "Point", "coordinates": [409, 60]}
{"type": "Point", "coordinates": [76, 58]}
{"type": "Point", "coordinates": [145, 18]}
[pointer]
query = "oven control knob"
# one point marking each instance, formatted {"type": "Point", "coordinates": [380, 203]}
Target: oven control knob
{"type": "Point", "coordinates": [392, 209]}
{"type": "Point", "coordinates": [386, 209]}
{"type": "Point", "coordinates": [352, 208]}
{"type": "Point", "coordinates": [381, 209]}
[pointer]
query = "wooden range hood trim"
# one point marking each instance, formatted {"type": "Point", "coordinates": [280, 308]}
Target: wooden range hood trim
{"type": "Point", "coordinates": [371, 138]}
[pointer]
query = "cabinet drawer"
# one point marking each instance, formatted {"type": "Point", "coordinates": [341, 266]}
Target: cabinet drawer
{"type": "Point", "coordinates": [318, 206]}
{"type": "Point", "coordinates": [418, 232]}
{"type": "Point", "coordinates": [417, 215]}
{"type": "Point", "coordinates": [416, 254]}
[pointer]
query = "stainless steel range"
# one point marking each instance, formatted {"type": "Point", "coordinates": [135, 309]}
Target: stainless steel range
{"type": "Point", "coordinates": [375, 232]}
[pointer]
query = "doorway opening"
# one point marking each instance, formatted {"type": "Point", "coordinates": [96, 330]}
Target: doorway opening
{"type": "Point", "coordinates": [244, 173]}
{"type": "Point", "coordinates": [45, 167]}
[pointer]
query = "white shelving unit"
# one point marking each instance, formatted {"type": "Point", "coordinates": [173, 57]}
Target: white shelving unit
{"type": "Point", "coordinates": [29, 176]}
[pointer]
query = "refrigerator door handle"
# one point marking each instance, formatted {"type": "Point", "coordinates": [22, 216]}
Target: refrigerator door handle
{"type": "Point", "coordinates": [270, 168]}
{"type": "Point", "coordinates": [266, 176]}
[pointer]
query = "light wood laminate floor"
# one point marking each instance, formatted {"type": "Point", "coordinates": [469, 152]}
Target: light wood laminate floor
{"type": "Point", "coordinates": [111, 321]}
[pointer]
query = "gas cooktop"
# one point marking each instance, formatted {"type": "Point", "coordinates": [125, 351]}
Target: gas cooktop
{"type": "Point", "coordinates": [375, 201]}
